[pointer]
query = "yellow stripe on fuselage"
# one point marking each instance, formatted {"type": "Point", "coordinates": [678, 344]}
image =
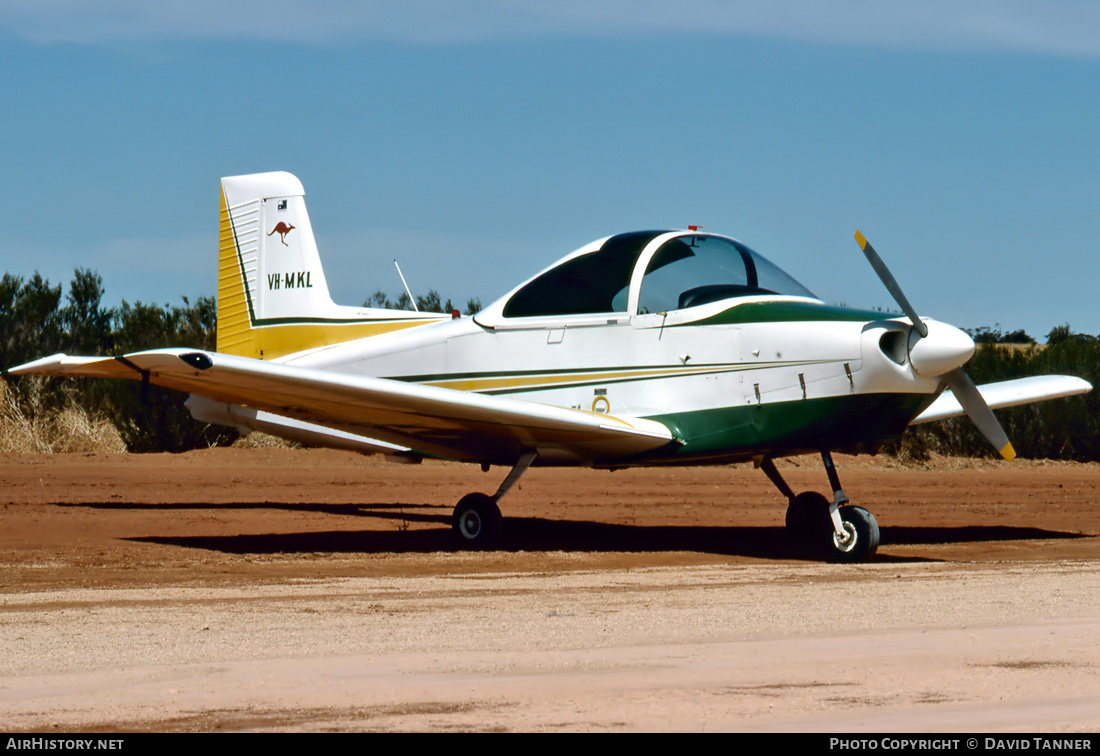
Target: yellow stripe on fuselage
{"type": "Point", "coordinates": [501, 383]}
{"type": "Point", "coordinates": [277, 340]}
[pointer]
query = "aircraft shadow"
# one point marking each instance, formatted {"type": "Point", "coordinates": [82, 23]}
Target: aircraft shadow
{"type": "Point", "coordinates": [521, 534]}
{"type": "Point", "coordinates": [540, 534]}
{"type": "Point", "coordinates": [397, 510]}
{"type": "Point", "coordinates": [970, 534]}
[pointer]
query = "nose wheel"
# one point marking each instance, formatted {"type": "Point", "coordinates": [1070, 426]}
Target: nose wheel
{"type": "Point", "coordinates": [858, 539]}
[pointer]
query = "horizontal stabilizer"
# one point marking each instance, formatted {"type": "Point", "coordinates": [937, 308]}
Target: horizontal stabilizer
{"type": "Point", "coordinates": [1007, 394]}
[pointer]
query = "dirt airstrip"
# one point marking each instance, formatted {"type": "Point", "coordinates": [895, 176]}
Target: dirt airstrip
{"type": "Point", "coordinates": [272, 589]}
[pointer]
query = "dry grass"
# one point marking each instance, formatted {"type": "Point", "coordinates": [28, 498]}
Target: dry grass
{"type": "Point", "coordinates": [28, 425]}
{"type": "Point", "coordinates": [31, 423]}
{"type": "Point", "coordinates": [258, 440]}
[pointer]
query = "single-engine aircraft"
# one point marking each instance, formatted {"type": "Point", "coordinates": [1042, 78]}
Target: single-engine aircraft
{"type": "Point", "coordinates": [643, 348]}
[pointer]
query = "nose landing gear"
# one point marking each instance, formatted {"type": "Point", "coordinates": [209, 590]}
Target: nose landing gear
{"type": "Point", "coordinates": [844, 533]}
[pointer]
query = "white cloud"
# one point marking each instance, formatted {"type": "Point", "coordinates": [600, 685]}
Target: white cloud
{"type": "Point", "coordinates": [1058, 27]}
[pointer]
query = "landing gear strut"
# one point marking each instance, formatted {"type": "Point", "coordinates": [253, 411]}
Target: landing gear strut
{"type": "Point", "coordinates": [476, 521]}
{"type": "Point", "coordinates": [846, 533]}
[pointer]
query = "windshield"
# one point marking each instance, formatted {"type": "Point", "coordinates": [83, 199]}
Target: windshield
{"type": "Point", "coordinates": [692, 270]}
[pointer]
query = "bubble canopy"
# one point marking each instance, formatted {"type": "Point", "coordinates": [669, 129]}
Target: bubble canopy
{"type": "Point", "coordinates": [647, 272]}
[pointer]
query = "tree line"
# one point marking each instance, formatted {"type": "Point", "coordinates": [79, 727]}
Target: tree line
{"type": "Point", "coordinates": [430, 302]}
{"type": "Point", "coordinates": [36, 320]}
{"type": "Point", "coordinates": [1058, 429]}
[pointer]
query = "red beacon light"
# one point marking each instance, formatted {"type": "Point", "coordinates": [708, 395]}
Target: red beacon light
{"type": "Point", "coordinates": [695, 228]}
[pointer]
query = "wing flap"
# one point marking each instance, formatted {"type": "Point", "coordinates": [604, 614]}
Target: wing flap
{"type": "Point", "coordinates": [247, 419]}
{"type": "Point", "coordinates": [431, 420]}
{"type": "Point", "coordinates": [1007, 394]}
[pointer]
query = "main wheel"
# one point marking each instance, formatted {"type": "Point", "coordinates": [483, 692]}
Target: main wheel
{"type": "Point", "coordinates": [861, 536]}
{"type": "Point", "coordinates": [807, 514]}
{"type": "Point", "coordinates": [476, 522]}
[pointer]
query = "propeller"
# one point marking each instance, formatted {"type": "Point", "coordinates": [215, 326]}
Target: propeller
{"type": "Point", "coordinates": [942, 354]}
{"type": "Point", "coordinates": [891, 283]}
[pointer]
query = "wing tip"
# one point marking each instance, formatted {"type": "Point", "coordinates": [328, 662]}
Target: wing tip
{"type": "Point", "coordinates": [33, 367]}
{"type": "Point", "coordinates": [861, 240]}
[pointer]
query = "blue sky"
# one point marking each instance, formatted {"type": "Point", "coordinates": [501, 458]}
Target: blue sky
{"type": "Point", "coordinates": [478, 141]}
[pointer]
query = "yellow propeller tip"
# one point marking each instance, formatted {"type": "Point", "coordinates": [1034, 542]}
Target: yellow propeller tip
{"type": "Point", "coordinates": [862, 241]}
{"type": "Point", "coordinates": [1008, 452]}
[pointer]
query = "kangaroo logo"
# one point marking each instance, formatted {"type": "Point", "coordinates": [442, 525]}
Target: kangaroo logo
{"type": "Point", "coordinates": [282, 229]}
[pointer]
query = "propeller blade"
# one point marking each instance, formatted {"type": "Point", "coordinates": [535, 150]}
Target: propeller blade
{"type": "Point", "coordinates": [964, 389]}
{"type": "Point", "coordinates": [979, 412]}
{"type": "Point", "coordinates": [891, 285]}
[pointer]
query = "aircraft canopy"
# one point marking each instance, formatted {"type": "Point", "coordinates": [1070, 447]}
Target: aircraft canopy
{"type": "Point", "coordinates": [649, 271]}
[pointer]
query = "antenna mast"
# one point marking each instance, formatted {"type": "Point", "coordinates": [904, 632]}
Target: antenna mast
{"type": "Point", "coordinates": [417, 309]}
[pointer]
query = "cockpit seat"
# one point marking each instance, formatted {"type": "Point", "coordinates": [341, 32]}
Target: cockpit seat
{"type": "Point", "coordinates": [716, 292]}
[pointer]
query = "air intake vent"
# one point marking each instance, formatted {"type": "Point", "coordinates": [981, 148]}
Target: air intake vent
{"type": "Point", "coordinates": [894, 344]}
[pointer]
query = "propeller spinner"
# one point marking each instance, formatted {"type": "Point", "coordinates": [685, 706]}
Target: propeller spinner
{"type": "Point", "coordinates": [940, 352]}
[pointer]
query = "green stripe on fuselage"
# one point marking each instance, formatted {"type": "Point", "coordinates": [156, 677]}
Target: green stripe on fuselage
{"type": "Point", "coordinates": [854, 424]}
{"type": "Point", "coordinates": [788, 312]}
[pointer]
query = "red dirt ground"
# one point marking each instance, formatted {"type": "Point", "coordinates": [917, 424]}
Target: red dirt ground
{"type": "Point", "coordinates": [638, 599]}
{"type": "Point", "coordinates": [133, 519]}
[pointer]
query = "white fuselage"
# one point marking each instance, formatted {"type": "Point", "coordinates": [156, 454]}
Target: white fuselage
{"type": "Point", "coordinates": [649, 365]}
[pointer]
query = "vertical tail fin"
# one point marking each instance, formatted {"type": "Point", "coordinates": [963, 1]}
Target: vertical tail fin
{"type": "Point", "coordinates": [268, 266]}
{"type": "Point", "coordinates": [273, 298]}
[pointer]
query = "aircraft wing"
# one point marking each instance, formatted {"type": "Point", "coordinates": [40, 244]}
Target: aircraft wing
{"type": "Point", "coordinates": [1007, 394]}
{"type": "Point", "coordinates": [426, 419]}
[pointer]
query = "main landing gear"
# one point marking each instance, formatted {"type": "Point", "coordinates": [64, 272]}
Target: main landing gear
{"type": "Point", "coordinates": [476, 520]}
{"type": "Point", "coordinates": [845, 533]}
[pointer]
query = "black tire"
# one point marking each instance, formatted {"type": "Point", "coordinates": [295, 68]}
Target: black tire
{"type": "Point", "coordinates": [808, 514]}
{"type": "Point", "coordinates": [476, 522]}
{"type": "Point", "coordinates": [863, 536]}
